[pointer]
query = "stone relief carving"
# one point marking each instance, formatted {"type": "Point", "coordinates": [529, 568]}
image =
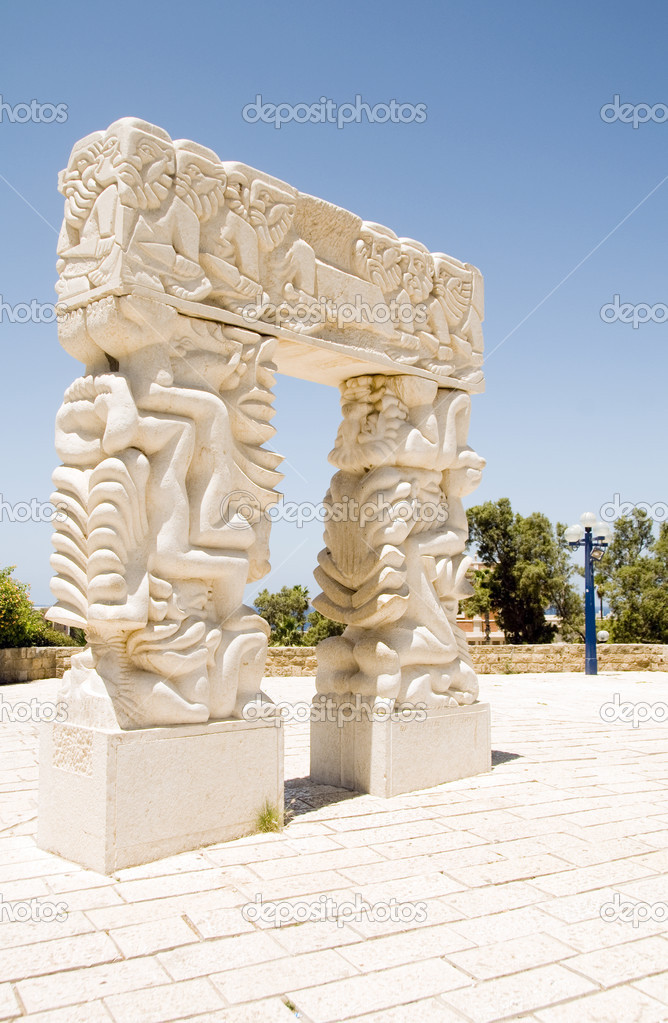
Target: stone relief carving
{"type": "Point", "coordinates": [161, 457]}
{"type": "Point", "coordinates": [393, 568]}
{"type": "Point", "coordinates": [180, 279]}
{"type": "Point", "coordinates": [144, 211]}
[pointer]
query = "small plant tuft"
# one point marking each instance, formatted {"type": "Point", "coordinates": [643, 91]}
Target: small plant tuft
{"type": "Point", "coordinates": [269, 819]}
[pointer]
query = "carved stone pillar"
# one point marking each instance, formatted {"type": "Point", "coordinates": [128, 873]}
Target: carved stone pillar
{"type": "Point", "coordinates": [393, 570]}
{"type": "Point", "coordinates": [162, 460]}
{"type": "Point", "coordinates": [162, 457]}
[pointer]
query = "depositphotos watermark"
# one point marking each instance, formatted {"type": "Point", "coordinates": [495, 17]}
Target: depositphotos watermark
{"type": "Point", "coordinates": [633, 113]}
{"type": "Point", "coordinates": [32, 910]}
{"type": "Point", "coordinates": [239, 508]}
{"type": "Point", "coordinates": [280, 914]}
{"type": "Point", "coordinates": [617, 508]}
{"type": "Point", "coordinates": [34, 710]}
{"type": "Point", "coordinates": [324, 708]}
{"type": "Point", "coordinates": [33, 112]}
{"type": "Point", "coordinates": [340, 314]}
{"type": "Point", "coordinates": [328, 111]}
{"type": "Point", "coordinates": [31, 511]}
{"type": "Point", "coordinates": [27, 312]}
{"type": "Point", "coordinates": [634, 913]}
{"type": "Point", "coordinates": [642, 312]}
{"type": "Point", "coordinates": [635, 714]}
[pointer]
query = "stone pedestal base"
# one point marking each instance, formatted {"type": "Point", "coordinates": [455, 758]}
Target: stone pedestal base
{"type": "Point", "coordinates": [389, 756]}
{"type": "Point", "coordinates": [109, 800]}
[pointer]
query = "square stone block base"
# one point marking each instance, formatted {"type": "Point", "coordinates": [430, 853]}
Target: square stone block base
{"type": "Point", "coordinates": [389, 756]}
{"type": "Point", "coordinates": [109, 800]}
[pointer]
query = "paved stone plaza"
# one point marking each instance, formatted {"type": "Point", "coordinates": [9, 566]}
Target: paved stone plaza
{"type": "Point", "coordinates": [501, 880]}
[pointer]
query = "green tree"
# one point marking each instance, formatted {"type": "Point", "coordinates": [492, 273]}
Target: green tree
{"type": "Point", "coordinates": [633, 575]}
{"type": "Point", "coordinates": [568, 604]}
{"type": "Point", "coordinates": [17, 615]}
{"type": "Point", "coordinates": [529, 572]}
{"type": "Point", "coordinates": [20, 623]}
{"type": "Point", "coordinates": [285, 611]}
{"type": "Point", "coordinates": [320, 627]}
{"type": "Point", "coordinates": [286, 632]}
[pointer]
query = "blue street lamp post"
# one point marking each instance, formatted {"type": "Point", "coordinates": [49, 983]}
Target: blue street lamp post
{"type": "Point", "coordinates": [594, 537]}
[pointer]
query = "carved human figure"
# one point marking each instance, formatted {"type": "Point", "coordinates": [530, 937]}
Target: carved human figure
{"type": "Point", "coordinates": [378, 258]}
{"type": "Point", "coordinates": [287, 262]}
{"type": "Point", "coordinates": [395, 575]}
{"type": "Point", "coordinates": [454, 303]}
{"type": "Point", "coordinates": [128, 179]}
{"type": "Point", "coordinates": [152, 454]}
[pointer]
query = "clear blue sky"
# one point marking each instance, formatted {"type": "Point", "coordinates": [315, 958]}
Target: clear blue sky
{"type": "Point", "coordinates": [513, 170]}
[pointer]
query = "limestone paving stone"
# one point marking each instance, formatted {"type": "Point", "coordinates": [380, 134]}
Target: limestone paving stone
{"type": "Point", "coordinates": [211, 957]}
{"type": "Point", "coordinates": [521, 993]}
{"type": "Point", "coordinates": [619, 1004]}
{"type": "Point", "coordinates": [403, 947]}
{"type": "Point", "coordinates": [153, 936]}
{"type": "Point", "coordinates": [79, 986]}
{"type": "Point", "coordinates": [514, 955]}
{"type": "Point", "coordinates": [656, 986]}
{"type": "Point", "coordinates": [329, 1003]}
{"type": "Point", "coordinates": [500, 926]}
{"type": "Point", "coordinates": [9, 1006]}
{"type": "Point", "coordinates": [427, 1010]}
{"type": "Point", "coordinates": [267, 1010]}
{"type": "Point", "coordinates": [301, 970]}
{"type": "Point", "coordinates": [630, 961]}
{"type": "Point", "coordinates": [166, 1003]}
{"type": "Point", "coordinates": [91, 1012]}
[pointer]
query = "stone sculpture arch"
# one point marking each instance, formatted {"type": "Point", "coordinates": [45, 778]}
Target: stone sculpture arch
{"type": "Point", "coordinates": [185, 284]}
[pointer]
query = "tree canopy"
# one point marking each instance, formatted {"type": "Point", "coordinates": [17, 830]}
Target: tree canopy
{"type": "Point", "coordinates": [20, 623]}
{"type": "Point", "coordinates": [528, 571]}
{"type": "Point", "coordinates": [286, 613]}
{"type": "Point", "coordinates": [633, 577]}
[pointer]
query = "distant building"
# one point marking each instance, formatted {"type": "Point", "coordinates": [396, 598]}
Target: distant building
{"type": "Point", "coordinates": [476, 627]}
{"type": "Point", "coordinates": [54, 625]}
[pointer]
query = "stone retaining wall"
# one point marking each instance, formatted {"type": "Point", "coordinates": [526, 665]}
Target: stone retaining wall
{"type": "Point", "coordinates": [291, 660]}
{"type": "Point", "coordinates": [29, 663]}
{"type": "Point", "coordinates": [504, 658]}
{"type": "Point", "coordinates": [26, 664]}
{"type": "Point", "coordinates": [568, 657]}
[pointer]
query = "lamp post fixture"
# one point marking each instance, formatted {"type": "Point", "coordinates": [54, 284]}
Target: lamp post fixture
{"type": "Point", "coordinates": [594, 536]}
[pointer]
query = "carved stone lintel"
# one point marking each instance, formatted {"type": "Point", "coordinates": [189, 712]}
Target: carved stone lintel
{"type": "Point", "coordinates": [145, 213]}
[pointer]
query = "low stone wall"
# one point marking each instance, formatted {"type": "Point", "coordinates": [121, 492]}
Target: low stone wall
{"type": "Point", "coordinates": [30, 663]}
{"type": "Point", "coordinates": [27, 664]}
{"type": "Point", "coordinates": [63, 658]}
{"type": "Point", "coordinates": [568, 657]}
{"type": "Point", "coordinates": [291, 660]}
{"type": "Point", "coordinates": [504, 658]}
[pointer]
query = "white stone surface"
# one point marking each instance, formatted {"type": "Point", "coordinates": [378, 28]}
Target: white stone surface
{"type": "Point", "coordinates": [185, 282]}
{"type": "Point", "coordinates": [566, 785]}
{"type": "Point", "coordinates": [182, 278]}
{"type": "Point", "coordinates": [387, 755]}
{"type": "Point", "coordinates": [110, 800]}
{"type": "Point", "coordinates": [394, 567]}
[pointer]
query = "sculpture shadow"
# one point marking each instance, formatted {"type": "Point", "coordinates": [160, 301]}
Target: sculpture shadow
{"type": "Point", "coordinates": [303, 795]}
{"type": "Point", "coordinates": [499, 757]}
